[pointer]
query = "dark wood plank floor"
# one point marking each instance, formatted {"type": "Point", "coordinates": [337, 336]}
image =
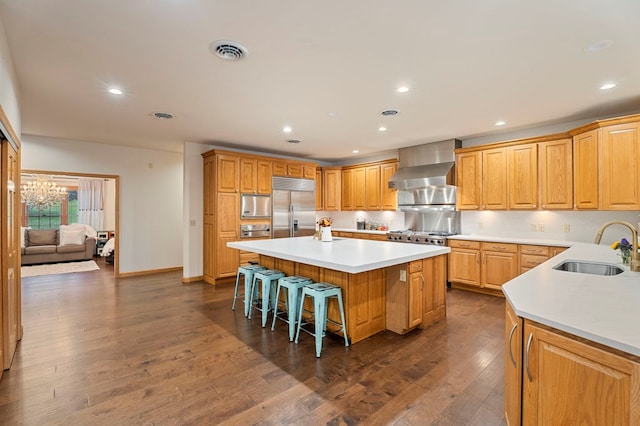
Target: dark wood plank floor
{"type": "Point", "coordinates": [150, 350]}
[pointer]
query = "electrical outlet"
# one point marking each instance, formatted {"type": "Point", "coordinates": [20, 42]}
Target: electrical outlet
{"type": "Point", "coordinates": [480, 225]}
{"type": "Point", "coordinates": [403, 275]}
{"type": "Point", "coordinates": [534, 227]}
{"type": "Point", "coordinates": [567, 227]}
{"type": "Point", "coordinates": [192, 222]}
{"type": "Point", "coordinates": [541, 227]}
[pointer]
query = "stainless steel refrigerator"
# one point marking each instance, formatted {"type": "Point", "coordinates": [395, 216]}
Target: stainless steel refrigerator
{"type": "Point", "coordinates": [294, 207]}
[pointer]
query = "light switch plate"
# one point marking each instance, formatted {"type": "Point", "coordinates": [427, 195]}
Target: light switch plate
{"type": "Point", "coordinates": [403, 275]}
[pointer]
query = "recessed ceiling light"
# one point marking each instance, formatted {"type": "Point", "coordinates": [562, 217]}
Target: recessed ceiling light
{"type": "Point", "coordinates": [598, 46]}
{"type": "Point", "coordinates": [287, 129]}
{"type": "Point", "coordinates": [293, 141]}
{"type": "Point", "coordinates": [115, 91]}
{"type": "Point", "coordinates": [389, 112]}
{"type": "Point", "coordinates": [333, 114]}
{"type": "Point", "coordinates": [500, 123]}
{"type": "Point", "coordinates": [607, 86]}
{"type": "Point", "coordinates": [403, 89]}
{"type": "Point", "coordinates": [382, 129]}
{"type": "Point", "coordinates": [355, 151]}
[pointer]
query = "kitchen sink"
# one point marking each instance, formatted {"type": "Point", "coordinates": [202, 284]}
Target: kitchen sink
{"type": "Point", "coordinates": [594, 268]}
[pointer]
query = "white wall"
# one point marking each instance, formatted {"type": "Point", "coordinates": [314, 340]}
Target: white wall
{"type": "Point", "coordinates": [9, 92]}
{"type": "Point", "coordinates": [583, 225]}
{"type": "Point", "coordinates": [192, 220]}
{"type": "Point", "coordinates": [150, 197]}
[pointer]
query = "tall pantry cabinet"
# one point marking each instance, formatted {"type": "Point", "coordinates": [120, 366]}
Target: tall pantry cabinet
{"type": "Point", "coordinates": [10, 279]}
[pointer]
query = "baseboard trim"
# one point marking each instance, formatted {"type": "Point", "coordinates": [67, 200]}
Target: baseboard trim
{"type": "Point", "coordinates": [148, 272]}
{"type": "Point", "coordinates": [187, 280]}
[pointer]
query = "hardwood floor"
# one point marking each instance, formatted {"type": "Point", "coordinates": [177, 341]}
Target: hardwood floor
{"type": "Point", "coordinates": [150, 350]}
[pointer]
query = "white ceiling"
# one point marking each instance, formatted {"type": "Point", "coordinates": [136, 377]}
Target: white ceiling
{"type": "Point", "coordinates": [326, 68]}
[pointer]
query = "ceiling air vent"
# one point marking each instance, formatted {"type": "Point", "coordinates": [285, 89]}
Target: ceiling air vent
{"type": "Point", "coordinates": [388, 112]}
{"type": "Point", "coordinates": [293, 141]}
{"type": "Point", "coordinates": [228, 50]}
{"type": "Point", "coordinates": [162, 115]}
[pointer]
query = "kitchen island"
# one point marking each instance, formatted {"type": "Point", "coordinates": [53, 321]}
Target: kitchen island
{"type": "Point", "coordinates": [385, 285]}
{"type": "Point", "coordinates": [572, 343]}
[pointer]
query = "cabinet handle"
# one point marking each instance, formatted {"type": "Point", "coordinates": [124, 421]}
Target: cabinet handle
{"type": "Point", "coordinates": [422, 278]}
{"type": "Point", "coordinates": [513, 330]}
{"type": "Point", "coordinates": [465, 245]}
{"type": "Point", "coordinates": [484, 259]}
{"type": "Point", "coordinates": [478, 258]}
{"type": "Point", "coordinates": [498, 248]}
{"type": "Point", "coordinates": [526, 358]}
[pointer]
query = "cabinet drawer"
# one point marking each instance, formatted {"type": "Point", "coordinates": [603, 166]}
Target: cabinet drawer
{"type": "Point", "coordinates": [500, 247]}
{"type": "Point", "coordinates": [531, 261]}
{"type": "Point", "coordinates": [415, 266]}
{"type": "Point", "coordinates": [534, 250]}
{"type": "Point", "coordinates": [247, 256]}
{"type": "Point", "coordinates": [464, 244]}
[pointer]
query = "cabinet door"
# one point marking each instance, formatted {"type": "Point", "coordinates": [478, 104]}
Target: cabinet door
{"type": "Point", "coordinates": [498, 268]}
{"type": "Point", "coordinates": [209, 216]}
{"type": "Point", "coordinates": [586, 170]}
{"type": "Point", "coordinates": [566, 381]}
{"type": "Point", "coordinates": [513, 366]}
{"type": "Point", "coordinates": [331, 186]}
{"type": "Point", "coordinates": [620, 159]}
{"type": "Point", "coordinates": [227, 259]}
{"type": "Point", "coordinates": [494, 179]}
{"type": "Point", "coordinates": [372, 188]}
{"type": "Point", "coordinates": [347, 186]}
{"type": "Point", "coordinates": [248, 175]}
{"type": "Point", "coordinates": [389, 197]}
{"type": "Point", "coordinates": [295, 170]}
{"type": "Point", "coordinates": [416, 286]}
{"type": "Point", "coordinates": [279, 168]}
{"type": "Point", "coordinates": [434, 271]}
{"type": "Point", "coordinates": [469, 180]}
{"type": "Point", "coordinates": [308, 171]}
{"type": "Point", "coordinates": [522, 163]}
{"type": "Point", "coordinates": [556, 176]}
{"type": "Point", "coordinates": [464, 266]}
{"type": "Point", "coordinates": [319, 190]}
{"type": "Point", "coordinates": [360, 188]}
{"type": "Point", "coordinates": [264, 177]}
{"type": "Point", "coordinates": [227, 173]}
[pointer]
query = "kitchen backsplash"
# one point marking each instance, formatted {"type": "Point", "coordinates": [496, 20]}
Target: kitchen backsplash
{"type": "Point", "coordinates": [347, 220]}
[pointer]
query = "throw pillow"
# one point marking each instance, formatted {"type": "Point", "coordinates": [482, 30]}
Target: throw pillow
{"type": "Point", "coordinates": [41, 237]}
{"type": "Point", "coordinates": [23, 229]}
{"type": "Point", "coordinates": [72, 237]}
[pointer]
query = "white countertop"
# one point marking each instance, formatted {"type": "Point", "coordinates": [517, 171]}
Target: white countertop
{"type": "Point", "coordinates": [514, 240]}
{"type": "Point", "coordinates": [350, 255]}
{"type": "Point", "coordinates": [603, 309]}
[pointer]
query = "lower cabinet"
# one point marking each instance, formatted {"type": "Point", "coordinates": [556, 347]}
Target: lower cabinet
{"type": "Point", "coordinates": [499, 264]}
{"type": "Point", "coordinates": [415, 294]}
{"type": "Point", "coordinates": [566, 379]}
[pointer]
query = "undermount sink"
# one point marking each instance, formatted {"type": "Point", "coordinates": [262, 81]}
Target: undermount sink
{"type": "Point", "coordinates": [594, 268]}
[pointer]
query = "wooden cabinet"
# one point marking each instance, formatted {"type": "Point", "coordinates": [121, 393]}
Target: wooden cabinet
{"type": "Point", "coordinates": [255, 176]}
{"type": "Point", "coordinates": [620, 161]}
{"type": "Point", "coordinates": [522, 179]}
{"type": "Point", "coordinates": [464, 262]}
{"type": "Point", "coordinates": [499, 264]}
{"type": "Point", "coordinates": [415, 295]}
{"type": "Point", "coordinates": [586, 178]}
{"type": "Point", "coordinates": [555, 174]}
{"type": "Point", "coordinates": [227, 174]}
{"type": "Point", "coordinates": [513, 366]}
{"type": "Point", "coordinates": [319, 190]}
{"type": "Point", "coordinates": [566, 380]}
{"type": "Point", "coordinates": [294, 169]}
{"type": "Point", "coordinates": [308, 171]}
{"type": "Point", "coordinates": [494, 179]}
{"type": "Point", "coordinates": [469, 180]}
{"type": "Point", "coordinates": [532, 255]}
{"type": "Point", "coordinates": [365, 187]}
{"type": "Point", "coordinates": [331, 188]}
{"type": "Point", "coordinates": [227, 225]}
{"type": "Point", "coordinates": [346, 194]}
{"type": "Point", "coordinates": [389, 197]}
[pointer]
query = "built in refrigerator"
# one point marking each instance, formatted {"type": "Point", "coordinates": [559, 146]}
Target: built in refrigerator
{"type": "Point", "coordinates": [294, 207]}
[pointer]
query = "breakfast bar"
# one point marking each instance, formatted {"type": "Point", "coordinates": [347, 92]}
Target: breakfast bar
{"type": "Point", "coordinates": [385, 285]}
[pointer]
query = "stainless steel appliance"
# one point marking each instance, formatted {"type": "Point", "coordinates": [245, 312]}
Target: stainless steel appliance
{"type": "Point", "coordinates": [294, 207]}
{"type": "Point", "coordinates": [254, 206]}
{"type": "Point", "coordinates": [255, 230]}
{"type": "Point", "coordinates": [419, 237]}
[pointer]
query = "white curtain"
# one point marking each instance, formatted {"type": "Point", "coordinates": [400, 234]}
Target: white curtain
{"type": "Point", "coordinates": [91, 202]}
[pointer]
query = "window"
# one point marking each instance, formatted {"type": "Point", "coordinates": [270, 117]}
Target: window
{"type": "Point", "coordinates": [62, 213]}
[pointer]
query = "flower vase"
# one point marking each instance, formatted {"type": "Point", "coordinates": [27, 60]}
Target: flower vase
{"type": "Point", "coordinates": [325, 233]}
{"type": "Point", "coordinates": [626, 257]}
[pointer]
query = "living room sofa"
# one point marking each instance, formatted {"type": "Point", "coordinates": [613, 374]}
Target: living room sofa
{"type": "Point", "coordinates": [52, 246]}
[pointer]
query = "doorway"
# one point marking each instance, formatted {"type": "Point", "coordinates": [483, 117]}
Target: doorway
{"type": "Point", "coordinates": [66, 212]}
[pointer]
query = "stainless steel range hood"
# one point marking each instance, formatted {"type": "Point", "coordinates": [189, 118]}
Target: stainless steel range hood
{"type": "Point", "coordinates": [425, 165]}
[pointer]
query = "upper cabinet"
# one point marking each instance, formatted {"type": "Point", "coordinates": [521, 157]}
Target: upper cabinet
{"type": "Point", "coordinates": [331, 188]}
{"type": "Point", "coordinates": [227, 173]}
{"type": "Point", "coordinates": [365, 186]}
{"type": "Point", "coordinates": [596, 166]}
{"type": "Point", "coordinates": [294, 169]}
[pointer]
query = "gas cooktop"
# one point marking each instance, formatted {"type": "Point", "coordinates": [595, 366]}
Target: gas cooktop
{"type": "Point", "coordinates": [419, 237]}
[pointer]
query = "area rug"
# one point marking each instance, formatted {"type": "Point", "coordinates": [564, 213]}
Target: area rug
{"type": "Point", "coordinates": [59, 268]}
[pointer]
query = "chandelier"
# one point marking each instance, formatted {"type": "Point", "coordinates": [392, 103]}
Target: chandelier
{"type": "Point", "coordinates": [42, 192]}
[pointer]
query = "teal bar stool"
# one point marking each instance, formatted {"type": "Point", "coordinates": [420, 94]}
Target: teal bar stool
{"type": "Point", "coordinates": [267, 278]}
{"type": "Point", "coordinates": [293, 285]}
{"type": "Point", "coordinates": [247, 271]}
{"type": "Point", "coordinates": [321, 293]}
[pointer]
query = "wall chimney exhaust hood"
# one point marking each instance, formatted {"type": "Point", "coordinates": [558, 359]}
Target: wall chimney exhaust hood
{"type": "Point", "coordinates": [425, 166]}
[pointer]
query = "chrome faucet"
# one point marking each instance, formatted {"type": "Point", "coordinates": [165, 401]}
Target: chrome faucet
{"type": "Point", "coordinates": [635, 261]}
